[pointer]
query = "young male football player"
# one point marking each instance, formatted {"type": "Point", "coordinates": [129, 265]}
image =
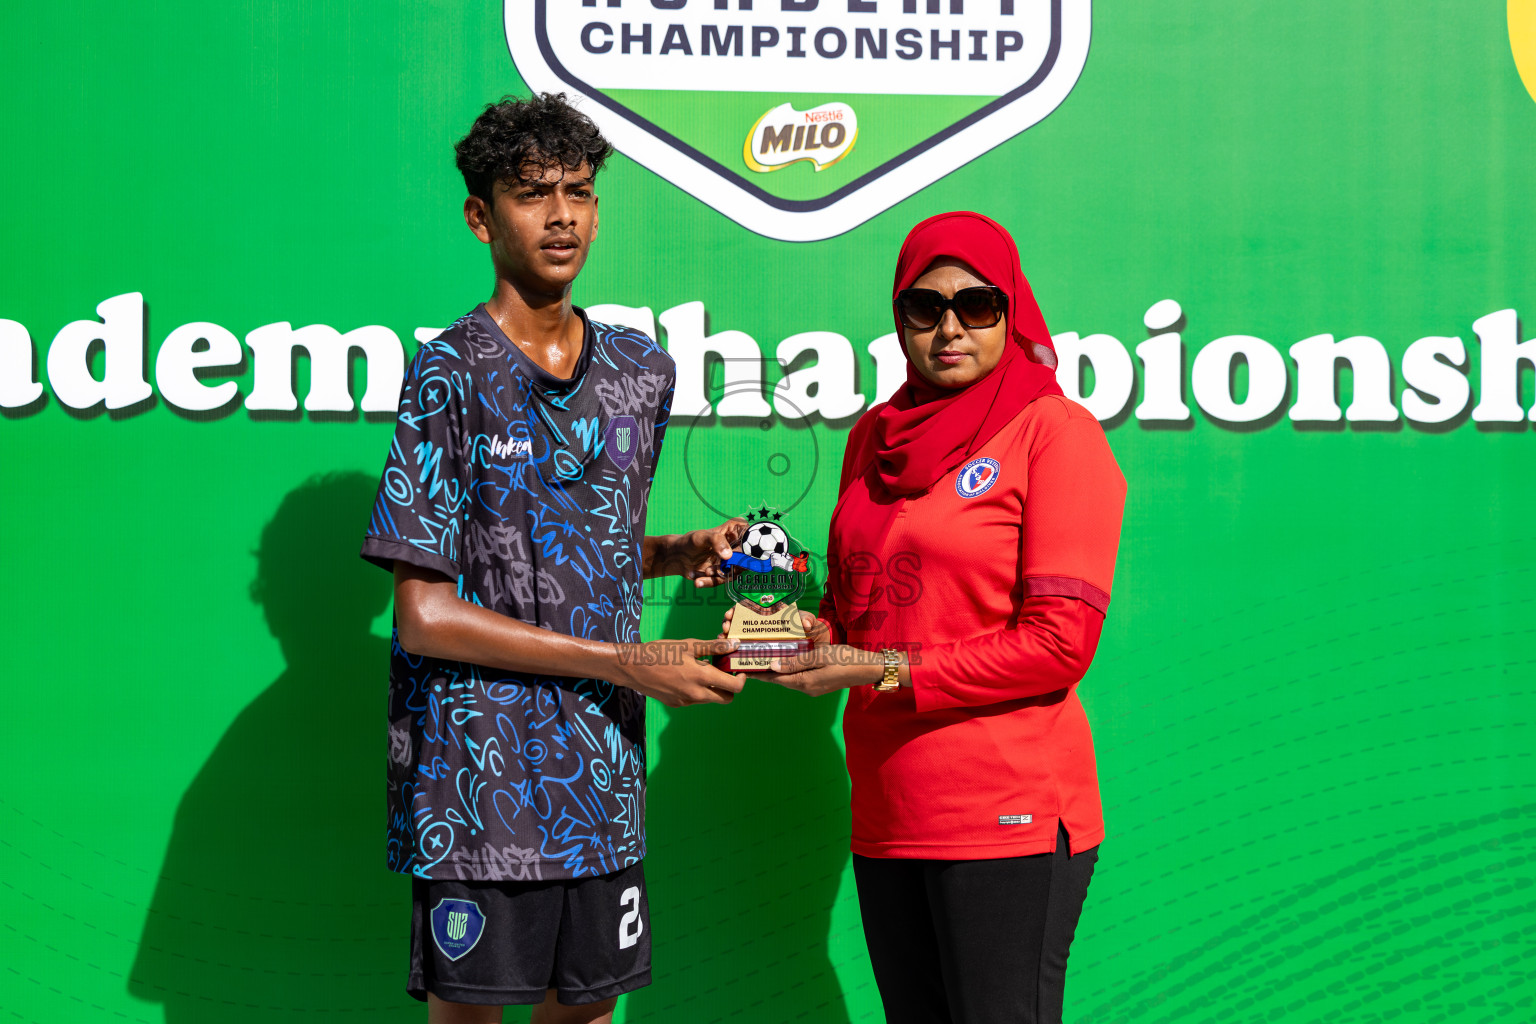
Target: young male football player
{"type": "Point", "coordinates": [512, 513]}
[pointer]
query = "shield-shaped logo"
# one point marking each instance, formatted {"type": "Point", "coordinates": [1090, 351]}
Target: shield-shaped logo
{"type": "Point", "coordinates": [619, 441]}
{"type": "Point", "coordinates": [801, 119]}
{"type": "Point", "coordinates": [771, 566]}
{"type": "Point", "coordinates": [456, 926]}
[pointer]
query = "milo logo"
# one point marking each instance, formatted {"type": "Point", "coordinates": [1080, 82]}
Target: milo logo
{"type": "Point", "coordinates": [822, 135]}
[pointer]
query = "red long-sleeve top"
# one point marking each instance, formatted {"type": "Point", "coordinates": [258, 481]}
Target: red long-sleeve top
{"type": "Point", "coordinates": [996, 581]}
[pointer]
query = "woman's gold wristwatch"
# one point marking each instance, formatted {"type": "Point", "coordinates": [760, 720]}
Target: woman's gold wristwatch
{"type": "Point", "coordinates": [888, 680]}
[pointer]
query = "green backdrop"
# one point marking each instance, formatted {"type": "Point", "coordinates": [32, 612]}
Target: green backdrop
{"type": "Point", "coordinates": [1313, 699]}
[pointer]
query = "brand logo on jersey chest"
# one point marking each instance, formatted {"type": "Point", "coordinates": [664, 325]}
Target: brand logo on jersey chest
{"type": "Point", "coordinates": [512, 448]}
{"type": "Point", "coordinates": [977, 477]}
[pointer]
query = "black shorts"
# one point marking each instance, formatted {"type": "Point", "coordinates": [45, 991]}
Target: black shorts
{"type": "Point", "coordinates": [504, 943]}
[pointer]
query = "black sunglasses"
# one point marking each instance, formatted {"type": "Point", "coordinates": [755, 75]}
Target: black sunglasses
{"type": "Point", "coordinates": [979, 307]}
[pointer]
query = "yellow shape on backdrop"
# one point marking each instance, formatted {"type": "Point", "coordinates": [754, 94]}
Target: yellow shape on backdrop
{"type": "Point", "coordinates": [1522, 40]}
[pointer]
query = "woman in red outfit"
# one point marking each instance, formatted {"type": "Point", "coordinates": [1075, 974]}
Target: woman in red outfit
{"type": "Point", "coordinates": [970, 559]}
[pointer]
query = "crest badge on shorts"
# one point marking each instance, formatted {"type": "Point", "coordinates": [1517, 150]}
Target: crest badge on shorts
{"type": "Point", "coordinates": [621, 441]}
{"type": "Point", "coordinates": [977, 477]}
{"type": "Point", "coordinates": [456, 926]}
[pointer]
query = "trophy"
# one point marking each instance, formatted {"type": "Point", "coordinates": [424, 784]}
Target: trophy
{"type": "Point", "coordinates": [770, 576]}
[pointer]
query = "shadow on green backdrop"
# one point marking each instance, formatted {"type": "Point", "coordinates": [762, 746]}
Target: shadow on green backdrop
{"type": "Point", "coordinates": [274, 898]}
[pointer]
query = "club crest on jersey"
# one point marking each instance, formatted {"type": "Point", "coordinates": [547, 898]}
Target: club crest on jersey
{"type": "Point", "coordinates": [456, 926]}
{"type": "Point", "coordinates": [621, 439]}
{"type": "Point", "coordinates": [977, 477]}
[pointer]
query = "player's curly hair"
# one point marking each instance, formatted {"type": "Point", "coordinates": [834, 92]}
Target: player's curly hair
{"type": "Point", "coordinates": [516, 140]}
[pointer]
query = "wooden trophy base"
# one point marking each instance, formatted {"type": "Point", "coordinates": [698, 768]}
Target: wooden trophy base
{"type": "Point", "coordinates": [763, 636]}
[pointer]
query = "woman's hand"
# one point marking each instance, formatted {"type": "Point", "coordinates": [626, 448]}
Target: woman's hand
{"type": "Point", "coordinates": [829, 667]}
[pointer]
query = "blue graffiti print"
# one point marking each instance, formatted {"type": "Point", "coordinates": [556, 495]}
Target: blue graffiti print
{"type": "Point", "coordinates": [497, 478]}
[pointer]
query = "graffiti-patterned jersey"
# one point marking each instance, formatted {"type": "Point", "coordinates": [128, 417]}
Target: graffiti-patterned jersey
{"type": "Point", "coordinates": [530, 491]}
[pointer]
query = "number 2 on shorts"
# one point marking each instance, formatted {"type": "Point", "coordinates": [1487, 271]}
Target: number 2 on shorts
{"type": "Point", "coordinates": [629, 925]}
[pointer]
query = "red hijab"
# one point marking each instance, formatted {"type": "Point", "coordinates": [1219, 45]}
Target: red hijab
{"type": "Point", "coordinates": [925, 430]}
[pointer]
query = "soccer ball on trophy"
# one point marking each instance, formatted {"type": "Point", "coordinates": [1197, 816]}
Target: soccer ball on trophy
{"type": "Point", "coordinates": [764, 540]}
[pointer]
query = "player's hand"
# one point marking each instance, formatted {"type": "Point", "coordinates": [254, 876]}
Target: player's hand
{"type": "Point", "coordinates": [669, 670]}
{"type": "Point", "coordinates": [816, 630]}
{"type": "Point", "coordinates": [827, 668]}
{"type": "Point", "coordinates": [700, 555]}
